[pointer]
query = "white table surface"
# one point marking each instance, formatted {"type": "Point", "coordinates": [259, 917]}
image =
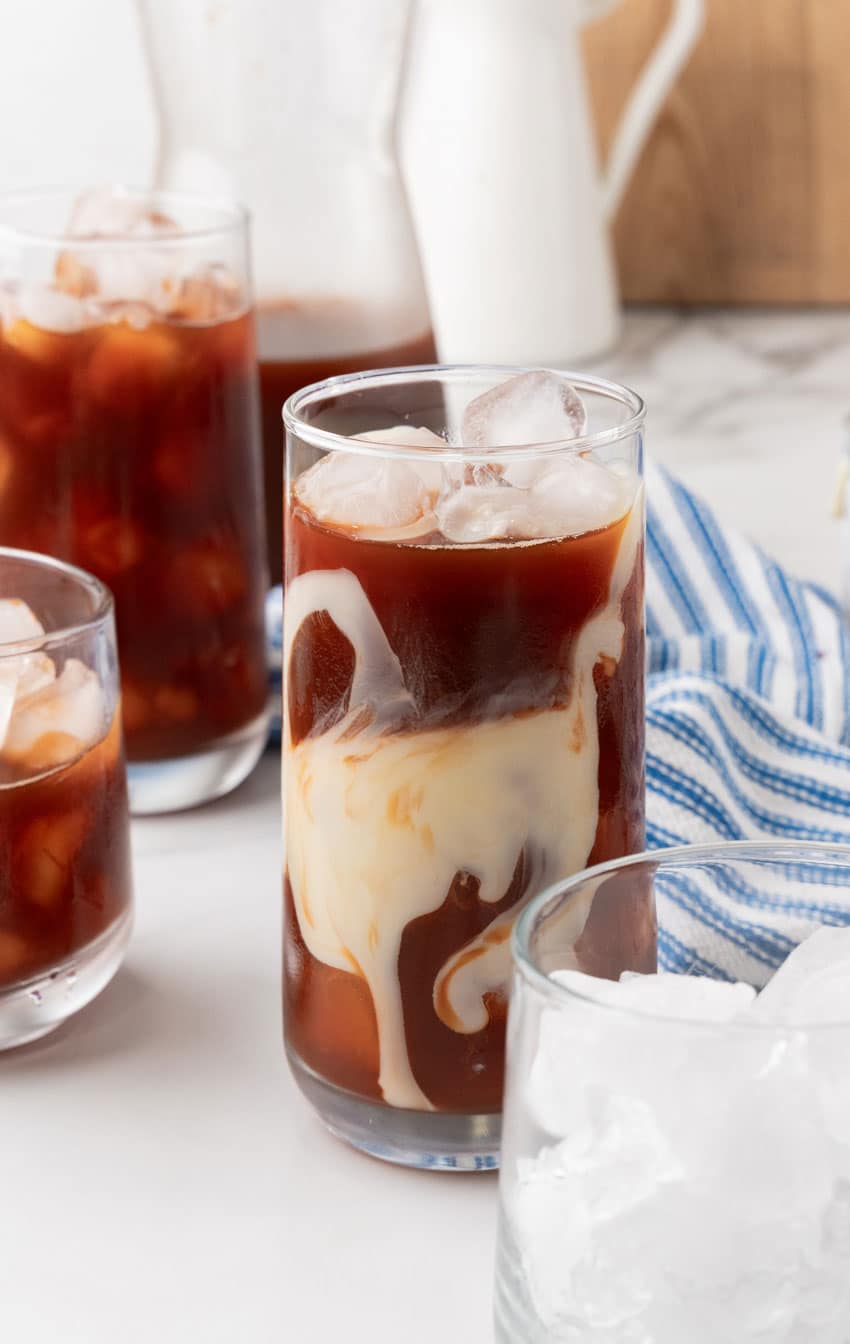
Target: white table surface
{"type": "Point", "coordinates": [161, 1179]}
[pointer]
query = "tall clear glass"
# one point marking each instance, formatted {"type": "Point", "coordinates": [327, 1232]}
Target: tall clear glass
{"type": "Point", "coordinates": [65, 881]}
{"type": "Point", "coordinates": [129, 445]}
{"type": "Point", "coordinates": [676, 1154]}
{"type": "Point", "coordinates": [463, 723]}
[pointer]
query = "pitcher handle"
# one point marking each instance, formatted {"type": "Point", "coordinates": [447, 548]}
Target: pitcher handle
{"type": "Point", "coordinates": [654, 83]}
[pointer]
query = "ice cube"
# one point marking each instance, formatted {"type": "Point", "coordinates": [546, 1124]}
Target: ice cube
{"type": "Point", "coordinates": [26, 675]}
{"type": "Point", "coordinates": [812, 985]}
{"type": "Point", "coordinates": [404, 436]}
{"type": "Point", "coordinates": [479, 513]}
{"type": "Point", "coordinates": [18, 622]}
{"type": "Point", "coordinates": [616, 1162]}
{"type": "Point", "coordinates": [432, 474]}
{"type": "Point", "coordinates": [370, 495]}
{"type": "Point", "coordinates": [209, 576]}
{"type": "Point", "coordinates": [134, 312]}
{"type": "Point", "coordinates": [45, 855]}
{"type": "Point", "coordinates": [537, 407]}
{"type": "Point", "coordinates": [566, 499]}
{"type": "Point", "coordinates": [762, 1145]}
{"type": "Point", "coordinates": [581, 1050]}
{"type": "Point", "coordinates": [45, 317]}
{"type": "Point", "coordinates": [107, 216]}
{"type": "Point", "coordinates": [683, 998]}
{"type": "Point", "coordinates": [575, 495]}
{"type": "Point", "coordinates": [209, 295]}
{"type": "Point", "coordinates": [112, 546]}
{"type": "Point", "coordinates": [51, 310]}
{"type": "Point", "coordinates": [127, 366]}
{"type": "Point", "coordinates": [73, 277]}
{"type": "Point", "coordinates": [59, 721]}
{"type": "Point", "coordinates": [131, 277]}
{"type": "Point", "coordinates": [21, 674]}
{"type": "Point", "coordinates": [586, 1050]}
{"type": "Point", "coordinates": [109, 212]}
{"type": "Point", "coordinates": [713, 1273]}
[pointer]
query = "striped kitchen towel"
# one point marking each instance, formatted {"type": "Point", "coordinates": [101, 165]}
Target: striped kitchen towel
{"type": "Point", "coordinates": [748, 735]}
{"type": "Point", "coordinates": [748, 722]}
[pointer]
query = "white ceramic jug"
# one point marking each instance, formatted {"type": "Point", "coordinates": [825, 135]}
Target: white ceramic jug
{"type": "Point", "coordinates": [497, 152]}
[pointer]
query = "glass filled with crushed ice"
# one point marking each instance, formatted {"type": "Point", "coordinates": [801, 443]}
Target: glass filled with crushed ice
{"type": "Point", "coordinates": [676, 1159]}
{"type": "Point", "coordinates": [463, 723]}
{"type": "Point", "coordinates": [65, 884]}
{"type": "Point", "coordinates": [129, 445]}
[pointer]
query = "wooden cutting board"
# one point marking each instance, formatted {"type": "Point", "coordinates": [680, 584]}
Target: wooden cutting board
{"type": "Point", "coordinates": [742, 194]}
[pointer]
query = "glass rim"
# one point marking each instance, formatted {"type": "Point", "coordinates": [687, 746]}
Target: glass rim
{"type": "Point", "coordinates": [103, 609]}
{"type": "Point", "coordinates": [378, 378]}
{"type": "Point", "coordinates": [236, 218]}
{"type": "Point", "coordinates": [731, 851]}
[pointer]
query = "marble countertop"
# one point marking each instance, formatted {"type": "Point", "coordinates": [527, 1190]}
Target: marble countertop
{"type": "Point", "coordinates": [748, 408]}
{"type": "Point", "coordinates": [162, 1178]}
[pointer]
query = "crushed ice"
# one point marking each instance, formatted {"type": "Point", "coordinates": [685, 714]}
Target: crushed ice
{"type": "Point", "coordinates": [696, 1181]}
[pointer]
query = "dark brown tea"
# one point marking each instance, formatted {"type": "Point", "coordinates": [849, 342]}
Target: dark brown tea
{"type": "Point", "coordinates": [127, 448]}
{"type": "Point", "coordinates": [64, 855]}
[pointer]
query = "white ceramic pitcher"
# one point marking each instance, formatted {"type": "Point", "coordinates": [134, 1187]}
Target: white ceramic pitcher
{"type": "Point", "coordinates": [497, 151]}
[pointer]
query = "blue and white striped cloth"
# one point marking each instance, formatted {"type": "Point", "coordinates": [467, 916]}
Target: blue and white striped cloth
{"type": "Point", "coordinates": [748, 734]}
{"type": "Point", "coordinates": [748, 727]}
{"type": "Point", "coordinates": [748, 704]}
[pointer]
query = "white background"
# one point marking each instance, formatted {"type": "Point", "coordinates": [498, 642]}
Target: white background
{"type": "Point", "coordinates": [161, 1181]}
{"type": "Point", "coordinates": [74, 102]}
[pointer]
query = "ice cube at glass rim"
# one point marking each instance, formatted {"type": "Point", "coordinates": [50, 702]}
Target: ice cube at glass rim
{"type": "Point", "coordinates": [803, 851]}
{"type": "Point", "coordinates": [384, 379]}
{"type": "Point", "coordinates": [39, 218]}
{"type": "Point", "coordinates": [55, 636]}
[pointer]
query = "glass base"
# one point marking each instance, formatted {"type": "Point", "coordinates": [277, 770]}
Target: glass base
{"type": "Point", "coordinates": [445, 1141]}
{"type": "Point", "coordinates": [186, 781]}
{"type": "Point", "coordinates": [38, 1006]}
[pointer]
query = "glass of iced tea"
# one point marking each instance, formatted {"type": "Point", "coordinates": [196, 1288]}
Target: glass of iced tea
{"type": "Point", "coordinates": [65, 885]}
{"type": "Point", "coordinates": [463, 724]}
{"type": "Point", "coordinates": [129, 445]}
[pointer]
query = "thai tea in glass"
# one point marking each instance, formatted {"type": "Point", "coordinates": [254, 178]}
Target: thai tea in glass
{"type": "Point", "coordinates": [129, 445]}
{"type": "Point", "coordinates": [463, 723]}
{"type": "Point", "coordinates": [65, 882]}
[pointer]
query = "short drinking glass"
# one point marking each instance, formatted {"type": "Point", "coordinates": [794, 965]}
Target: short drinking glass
{"type": "Point", "coordinates": [676, 1151]}
{"type": "Point", "coordinates": [65, 885]}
